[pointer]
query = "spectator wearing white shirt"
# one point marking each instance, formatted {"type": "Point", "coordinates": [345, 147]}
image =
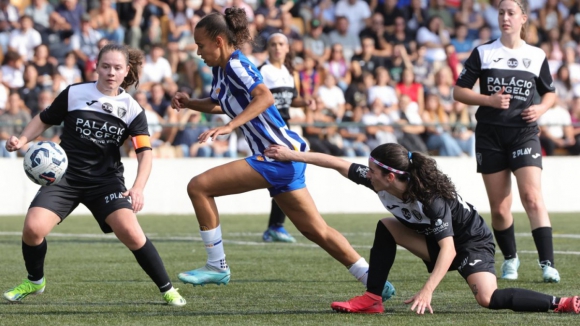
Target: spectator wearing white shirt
{"type": "Point", "coordinates": [332, 97]}
{"type": "Point", "coordinates": [69, 72]}
{"type": "Point", "coordinates": [12, 70]}
{"type": "Point", "coordinates": [157, 69]}
{"type": "Point", "coordinates": [357, 12]}
{"type": "Point", "coordinates": [24, 39]}
{"type": "Point", "coordinates": [382, 91]}
{"type": "Point", "coordinates": [556, 130]}
{"type": "Point", "coordinates": [434, 36]}
{"type": "Point", "coordinates": [378, 126]}
{"type": "Point", "coordinates": [40, 12]}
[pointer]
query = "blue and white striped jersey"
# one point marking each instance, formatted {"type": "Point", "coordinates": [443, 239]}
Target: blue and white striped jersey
{"type": "Point", "coordinates": [232, 91]}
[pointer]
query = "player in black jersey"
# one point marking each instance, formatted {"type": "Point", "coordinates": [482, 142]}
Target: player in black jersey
{"type": "Point", "coordinates": [431, 221]}
{"type": "Point", "coordinates": [506, 136]}
{"type": "Point", "coordinates": [280, 78]}
{"type": "Point", "coordinates": [98, 117]}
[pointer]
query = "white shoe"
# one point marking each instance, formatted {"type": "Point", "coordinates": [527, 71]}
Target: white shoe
{"type": "Point", "coordinates": [509, 269]}
{"type": "Point", "coordinates": [550, 274]}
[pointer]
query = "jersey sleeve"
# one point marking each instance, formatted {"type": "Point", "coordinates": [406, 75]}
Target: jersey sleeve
{"type": "Point", "coordinates": [544, 82]}
{"type": "Point", "coordinates": [439, 213]}
{"type": "Point", "coordinates": [357, 173]}
{"type": "Point", "coordinates": [213, 94]}
{"type": "Point", "coordinates": [244, 75]}
{"type": "Point", "coordinates": [139, 132]}
{"type": "Point", "coordinates": [58, 109]}
{"type": "Point", "coordinates": [471, 71]}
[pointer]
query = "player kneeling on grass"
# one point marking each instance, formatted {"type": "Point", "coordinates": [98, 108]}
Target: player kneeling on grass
{"type": "Point", "coordinates": [98, 117]}
{"type": "Point", "coordinates": [431, 221]}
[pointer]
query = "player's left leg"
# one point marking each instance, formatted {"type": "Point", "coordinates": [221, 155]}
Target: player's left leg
{"type": "Point", "coordinates": [484, 288]}
{"type": "Point", "coordinates": [124, 224]}
{"type": "Point", "coordinates": [529, 185]}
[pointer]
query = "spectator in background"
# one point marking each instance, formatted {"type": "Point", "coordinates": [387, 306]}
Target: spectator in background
{"type": "Point", "coordinates": [162, 106]}
{"type": "Point", "coordinates": [325, 13]}
{"type": "Point", "coordinates": [134, 17]}
{"type": "Point", "coordinates": [310, 79]}
{"type": "Point", "coordinates": [12, 122]}
{"type": "Point", "coordinates": [575, 118]}
{"type": "Point", "coordinates": [69, 72]}
{"type": "Point", "coordinates": [241, 4]}
{"type": "Point", "coordinates": [564, 87]}
{"type": "Point", "coordinates": [462, 128]}
{"type": "Point", "coordinates": [69, 15]}
{"type": "Point", "coordinates": [443, 88]}
{"type": "Point", "coordinates": [422, 68]}
{"type": "Point", "coordinates": [268, 16]}
{"type": "Point", "coordinates": [382, 91]}
{"type": "Point", "coordinates": [207, 7]}
{"type": "Point", "coordinates": [415, 15]}
{"type": "Point", "coordinates": [44, 67]}
{"type": "Point", "coordinates": [25, 38]}
{"type": "Point", "coordinates": [400, 36]}
{"type": "Point", "coordinates": [316, 42]}
{"type": "Point", "coordinates": [556, 131]}
{"type": "Point", "coordinates": [85, 45]}
{"type": "Point", "coordinates": [353, 135]}
{"type": "Point", "coordinates": [45, 99]}
{"type": "Point", "coordinates": [366, 61]}
{"type": "Point", "coordinates": [470, 17]}
{"type": "Point", "coordinates": [490, 15]}
{"type": "Point", "coordinates": [484, 36]}
{"type": "Point", "coordinates": [397, 63]}
{"type": "Point", "coordinates": [332, 97]}
{"type": "Point", "coordinates": [570, 62]}
{"type": "Point", "coordinates": [31, 90]}
{"type": "Point", "coordinates": [412, 89]}
{"type": "Point", "coordinates": [4, 92]}
{"type": "Point", "coordinates": [157, 69]}
{"type": "Point", "coordinates": [41, 12]}
{"type": "Point", "coordinates": [434, 37]}
{"type": "Point", "coordinates": [439, 8]}
{"type": "Point", "coordinates": [357, 12]}
{"type": "Point", "coordinates": [105, 20]}
{"type": "Point", "coordinates": [410, 125]}
{"type": "Point", "coordinates": [350, 42]}
{"type": "Point", "coordinates": [320, 130]}
{"type": "Point", "coordinates": [338, 66]}
{"type": "Point", "coordinates": [462, 44]}
{"type": "Point", "coordinates": [189, 130]}
{"type": "Point", "coordinates": [154, 121]}
{"type": "Point", "coordinates": [550, 17]}
{"type": "Point", "coordinates": [378, 125]}
{"type": "Point", "coordinates": [13, 70]}
{"type": "Point", "coordinates": [437, 133]}
{"type": "Point", "coordinates": [8, 16]}
{"type": "Point", "coordinates": [390, 12]}
{"type": "Point", "coordinates": [224, 145]}
{"type": "Point", "coordinates": [356, 95]}
{"type": "Point", "coordinates": [378, 33]}
{"type": "Point", "coordinates": [287, 28]}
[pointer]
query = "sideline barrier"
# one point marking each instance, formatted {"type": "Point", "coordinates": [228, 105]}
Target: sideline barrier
{"type": "Point", "coordinates": [166, 190]}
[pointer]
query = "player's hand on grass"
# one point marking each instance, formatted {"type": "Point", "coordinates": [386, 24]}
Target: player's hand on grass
{"type": "Point", "coordinates": [500, 100]}
{"type": "Point", "coordinates": [214, 133]}
{"type": "Point", "coordinates": [137, 198]}
{"type": "Point", "coordinates": [179, 101]}
{"type": "Point", "coordinates": [421, 301]}
{"type": "Point", "coordinates": [279, 153]}
{"type": "Point", "coordinates": [13, 144]}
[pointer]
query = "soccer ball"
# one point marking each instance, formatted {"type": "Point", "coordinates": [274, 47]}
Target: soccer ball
{"type": "Point", "coordinates": [45, 163]}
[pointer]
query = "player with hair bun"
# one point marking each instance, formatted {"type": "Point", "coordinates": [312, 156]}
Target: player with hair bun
{"type": "Point", "coordinates": [434, 223]}
{"type": "Point", "coordinates": [98, 117]}
{"type": "Point", "coordinates": [506, 137]}
{"type": "Point", "coordinates": [238, 91]}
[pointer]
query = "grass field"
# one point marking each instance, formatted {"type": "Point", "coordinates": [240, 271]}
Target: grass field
{"type": "Point", "coordinates": [93, 280]}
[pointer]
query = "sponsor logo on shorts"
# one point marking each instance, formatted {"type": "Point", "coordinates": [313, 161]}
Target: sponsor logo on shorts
{"type": "Point", "coordinates": [522, 151]}
{"type": "Point", "coordinates": [475, 262]}
{"type": "Point", "coordinates": [536, 155]}
{"type": "Point", "coordinates": [115, 196]}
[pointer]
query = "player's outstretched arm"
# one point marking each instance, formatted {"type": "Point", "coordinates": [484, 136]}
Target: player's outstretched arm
{"type": "Point", "coordinates": [282, 153]}
{"type": "Point", "coordinates": [34, 129]}
{"type": "Point", "coordinates": [182, 101]}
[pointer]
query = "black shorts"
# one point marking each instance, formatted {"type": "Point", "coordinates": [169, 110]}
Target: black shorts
{"type": "Point", "coordinates": [101, 199]}
{"type": "Point", "coordinates": [467, 261]}
{"type": "Point", "coordinates": [499, 148]}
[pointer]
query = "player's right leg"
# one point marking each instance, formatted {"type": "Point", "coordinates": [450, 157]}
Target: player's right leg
{"type": "Point", "coordinates": [37, 225]}
{"type": "Point", "coordinates": [498, 186]}
{"type": "Point", "coordinates": [232, 178]}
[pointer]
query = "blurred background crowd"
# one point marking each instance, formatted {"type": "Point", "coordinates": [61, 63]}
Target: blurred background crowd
{"type": "Point", "coordinates": [380, 71]}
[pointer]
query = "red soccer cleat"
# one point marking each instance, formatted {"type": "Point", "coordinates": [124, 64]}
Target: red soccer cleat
{"type": "Point", "coordinates": [367, 303]}
{"type": "Point", "coordinates": [571, 304]}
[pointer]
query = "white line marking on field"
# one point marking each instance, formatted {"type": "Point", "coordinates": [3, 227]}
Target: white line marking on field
{"type": "Point", "coordinates": [256, 243]}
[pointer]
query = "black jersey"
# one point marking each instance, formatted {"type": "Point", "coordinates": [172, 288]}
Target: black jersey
{"type": "Point", "coordinates": [440, 219]}
{"type": "Point", "coordinates": [95, 127]}
{"type": "Point", "coordinates": [521, 71]}
{"type": "Point", "coordinates": [281, 84]}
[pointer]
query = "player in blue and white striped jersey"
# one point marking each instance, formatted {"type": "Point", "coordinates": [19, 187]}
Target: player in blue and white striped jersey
{"type": "Point", "coordinates": [239, 92]}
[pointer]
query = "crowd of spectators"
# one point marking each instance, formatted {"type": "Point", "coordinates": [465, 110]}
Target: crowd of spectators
{"type": "Point", "coordinates": [380, 71]}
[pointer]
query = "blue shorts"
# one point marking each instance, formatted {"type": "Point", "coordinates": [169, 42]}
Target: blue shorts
{"type": "Point", "coordinates": [283, 176]}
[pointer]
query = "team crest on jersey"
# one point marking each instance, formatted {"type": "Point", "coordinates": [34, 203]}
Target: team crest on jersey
{"type": "Point", "coordinates": [217, 91]}
{"type": "Point", "coordinates": [527, 62]}
{"type": "Point", "coordinates": [417, 215]}
{"type": "Point", "coordinates": [406, 213]}
{"type": "Point", "coordinates": [512, 63]}
{"type": "Point", "coordinates": [108, 107]}
{"type": "Point", "coordinates": [121, 111]}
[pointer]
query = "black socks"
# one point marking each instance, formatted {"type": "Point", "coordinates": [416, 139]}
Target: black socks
{"type": "Point", "coordinates": [506, 240]}
{"type": "Point", "coordinates": [148, 258]}
{"type": "Point", "coordinates": [522, 300]}
{"type": "Point", "coordinates": [543, 240]}
{"type": "Point", "coordinates": [383, 255]}
{"type": "Point", "coordinates": [34, 260]}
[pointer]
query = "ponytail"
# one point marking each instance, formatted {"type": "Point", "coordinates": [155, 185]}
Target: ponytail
{"type": "Point", "coordinates": [233, 25]}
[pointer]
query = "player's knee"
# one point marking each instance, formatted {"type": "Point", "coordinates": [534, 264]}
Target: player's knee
{"type": "Point", "coordinates": [483, 299]}
{"type": "Point", "coordinates": [33, 234]}
{"type": "Point", "coordinates": [194, 187]}
{"type": "Point", "coordinates": [530, 201]}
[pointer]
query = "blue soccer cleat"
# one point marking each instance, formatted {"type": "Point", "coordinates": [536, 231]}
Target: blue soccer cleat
{"type": "Point", "coordinates": [206, 275]}
{"type": "Point", "coordinates": [388, 291]}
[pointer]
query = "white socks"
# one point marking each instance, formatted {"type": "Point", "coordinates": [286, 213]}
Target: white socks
{"type": "Point", "coordinates": [214, 246]}
{"type": "Point", "coordinates": [360, 270]}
